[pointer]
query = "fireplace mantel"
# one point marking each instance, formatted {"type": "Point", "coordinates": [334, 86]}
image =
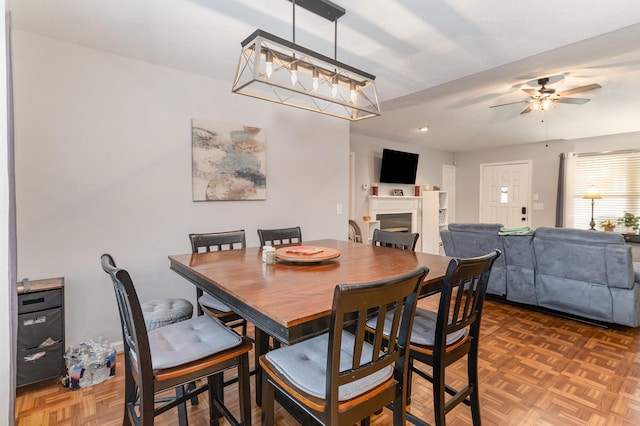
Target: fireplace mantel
{"type": "Point", "coordinates": [389, 204]}
{"type": "Point", "coordinates": [424, 212]}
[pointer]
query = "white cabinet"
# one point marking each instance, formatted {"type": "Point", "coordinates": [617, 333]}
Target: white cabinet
{"type": "Point", "coordinates": [434, 217]}
{"type": "Point", "coordinates": [443, 208]}
{"type": "Point", "coordinates": [443, 217]}
{"type": "Point", "coordinates": [367, 228]}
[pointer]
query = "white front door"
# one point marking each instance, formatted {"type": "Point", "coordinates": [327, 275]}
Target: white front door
{"type": "Point", "coordinates": [504, 193]}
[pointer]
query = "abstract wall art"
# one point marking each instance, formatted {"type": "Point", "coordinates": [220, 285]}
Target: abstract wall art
{"type": "Point", "coordinates": [229, 161]}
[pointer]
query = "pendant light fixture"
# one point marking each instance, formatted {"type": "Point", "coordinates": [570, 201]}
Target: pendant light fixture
{"type": "Point", "coordinates": [281, 71]}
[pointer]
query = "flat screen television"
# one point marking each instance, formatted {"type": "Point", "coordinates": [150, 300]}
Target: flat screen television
{"type": "Point", "coordinates": [398, 167]}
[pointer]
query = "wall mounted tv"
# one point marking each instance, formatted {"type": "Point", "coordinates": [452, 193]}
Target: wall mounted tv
{"type": "Point", "coordinates": [398, 167]}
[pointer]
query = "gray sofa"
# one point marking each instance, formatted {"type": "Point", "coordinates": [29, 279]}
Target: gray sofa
{"type": "Point", "coordinates": [584, 273]}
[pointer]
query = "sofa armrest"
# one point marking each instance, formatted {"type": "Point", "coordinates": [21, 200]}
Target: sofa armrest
{"type": "Point", "coordinates": [620, 266]}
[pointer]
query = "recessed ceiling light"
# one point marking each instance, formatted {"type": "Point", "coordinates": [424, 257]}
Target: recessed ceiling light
{"type": "Point", "coordinates": [423, 128]}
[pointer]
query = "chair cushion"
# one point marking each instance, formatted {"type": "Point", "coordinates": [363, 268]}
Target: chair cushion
{"type": "Point", "coordinates": [636, 271]}
{"type": "Point", "coordinates": [190, 340]}
{"type": "Point", "coordinates": [160, 312]}
{"type": "Point", "coordinates": [305, 365]}
{"type": "Point", "coordinates": [214, 303]}
{"type": "Point", "coordinates": [424, 327]}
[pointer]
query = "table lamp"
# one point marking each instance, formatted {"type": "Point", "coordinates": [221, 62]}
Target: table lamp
{"type": "Point", "coordinates": [592, 194]}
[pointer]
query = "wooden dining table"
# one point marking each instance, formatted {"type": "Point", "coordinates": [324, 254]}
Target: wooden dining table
{"type": "Point", "coordinates": [291, 301]}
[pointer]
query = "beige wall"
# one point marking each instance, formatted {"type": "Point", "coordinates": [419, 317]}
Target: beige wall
{"type": "Point", "coordinates": [545, 161]}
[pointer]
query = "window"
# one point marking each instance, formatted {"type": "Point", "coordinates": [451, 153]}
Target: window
{"type": "Point", "coordinates": [617, 177]}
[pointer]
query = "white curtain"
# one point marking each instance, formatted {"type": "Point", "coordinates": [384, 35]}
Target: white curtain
{"type": "Point", "coordinates": [569, 189]}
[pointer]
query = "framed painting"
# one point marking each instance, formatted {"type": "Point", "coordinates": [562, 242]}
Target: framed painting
{"type": "Point", "coordinates": [228, 161]}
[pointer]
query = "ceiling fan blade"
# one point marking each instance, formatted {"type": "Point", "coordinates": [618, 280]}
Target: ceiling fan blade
{"type": "Point", "coordinates": [510, 103]}
{"type": "Point", "coordinates": [526, 110]}
{"type": "Point", "coordinates": [576, 101]}
{"type": "Point", "coordinates": [532, 92]}
{"type": "Point", "coordinates": [580, 89]}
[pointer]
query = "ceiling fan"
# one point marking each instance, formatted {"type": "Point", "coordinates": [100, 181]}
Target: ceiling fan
{"type": "Point", "coordinates": [545, 98]}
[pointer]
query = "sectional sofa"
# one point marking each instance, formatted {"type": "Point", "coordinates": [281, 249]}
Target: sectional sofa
{"type": "Point", "coordinates": [584, 273]}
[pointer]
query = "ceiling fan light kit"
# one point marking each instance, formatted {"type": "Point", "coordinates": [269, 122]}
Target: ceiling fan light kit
{"type": "Point", "coordinates": [277, 70]}
{"type": "Point", "coordinates": [545, 98]}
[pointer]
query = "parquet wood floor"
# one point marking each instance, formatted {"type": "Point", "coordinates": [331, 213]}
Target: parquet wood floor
{"type": "Point", "coordinates": [535, 369]}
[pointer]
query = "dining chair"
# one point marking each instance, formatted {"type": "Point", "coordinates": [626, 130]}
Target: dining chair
{"type": "Point", "coordinates": [339, 377]}
{"type": "Point", "coordinates": [399, 240]}
{"type": "Point", "coordinates": [276, 237]}
{"type": "Point", "coordinates": [354, 232]}
{"type": "Point", "coordinates": [216, 241]}
{"type": "Point", "coordinates": [171, 356]}
{"type": "Point", "coordinates": [441, 338]}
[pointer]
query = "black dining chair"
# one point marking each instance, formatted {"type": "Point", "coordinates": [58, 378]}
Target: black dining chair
{"type": "Point", "coordinates": [339, 378]}
{"type": "Point", "coordinates": [172, 356]}
{"type": "Point", "coordinates": [281, 236]}
{"type": "Point", "coordinates": [399, 240]}
{"type": "Point", "coordinates": [207, 303]}
{"type": "Point", "coordinates": [441, 338]}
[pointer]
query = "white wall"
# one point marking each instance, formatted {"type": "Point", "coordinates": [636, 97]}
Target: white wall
{"type": "Point", "coordinates": [7, 295]}
{"type": "Point", "coordinates": [103, 159]}
{"type": "Point", "coordinates": [545, 157]}
{"type": "Point", "coordinates": [368, 155]}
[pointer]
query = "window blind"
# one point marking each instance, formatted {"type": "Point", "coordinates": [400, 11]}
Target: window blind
{"type": "Point", "coordinates": [617, 177]}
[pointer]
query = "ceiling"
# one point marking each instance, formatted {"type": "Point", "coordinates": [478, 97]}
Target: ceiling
{"type": "Point", "coordinates": [439, 63]}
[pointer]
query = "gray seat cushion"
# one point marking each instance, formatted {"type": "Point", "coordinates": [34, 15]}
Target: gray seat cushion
{"type": "Point", "coordinates": [424, 327]}
{"type": "Point", "coordinates": [211, 302]}
{"type": "Point", "coordinates": [636, 271]}
{"type": "Point", "coordinates": [160, 312]}
{"type": "Point", "coordinates": [190, 340]}
{"type": "Point", "coordinates": [305, 365]}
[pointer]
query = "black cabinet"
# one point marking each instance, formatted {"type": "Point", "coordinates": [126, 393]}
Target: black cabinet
{"type": "Point", "coordinates": [40, 330]}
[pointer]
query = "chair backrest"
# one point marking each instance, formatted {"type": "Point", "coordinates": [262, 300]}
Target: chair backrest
{"type": "Point", "coordinates": [461, 301]}
{"type": "Point", "coordinates": [137, 353]}
{"type": "Point", "coordinates": [354, 232]}
{"type": "Point", "coordinates": [214, 241]}
{"type": "Point", "coordinates": [352, 306]}
{"type": "Point", "coordinates": [275, 237]}
{"type": "Point", "coordinates": [399, 240]}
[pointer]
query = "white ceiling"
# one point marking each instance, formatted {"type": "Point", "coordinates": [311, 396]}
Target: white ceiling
{"type": "Point", "coordinates": [440, 63]}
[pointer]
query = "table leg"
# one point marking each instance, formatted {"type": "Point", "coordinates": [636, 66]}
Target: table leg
{"type": "Point", "coordinates": [261, 346]}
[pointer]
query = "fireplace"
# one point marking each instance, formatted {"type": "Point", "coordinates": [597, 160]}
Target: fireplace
{"type": "Point", "coordinates": [394, 222]}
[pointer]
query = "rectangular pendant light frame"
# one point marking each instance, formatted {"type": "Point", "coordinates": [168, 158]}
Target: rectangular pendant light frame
{"type": "Point", "coordinates": [339, 90]}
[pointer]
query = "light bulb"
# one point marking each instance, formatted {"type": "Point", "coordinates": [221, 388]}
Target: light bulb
{"type": "Point", "coordinates": [546, 104]}
{"type": "Point", "coordinates": [315, 79]}
{"type": "Point", "coordinates": [294, 73]}
{"type": "Point", "coordinates": [535, 105]}
{"type": "Point", "coordinates": [353, 92]}
{"type": "Point", "coordinates": [334, 86]}
{"type": "Point", "coordinates": [268, 63]}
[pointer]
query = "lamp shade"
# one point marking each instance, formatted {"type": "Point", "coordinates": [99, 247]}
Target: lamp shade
{"type": "Point", "coordinates": [592, 193]}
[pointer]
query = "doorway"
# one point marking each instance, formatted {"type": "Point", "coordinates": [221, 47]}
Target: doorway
{"type": "Point", "coordinates": [504, 193]}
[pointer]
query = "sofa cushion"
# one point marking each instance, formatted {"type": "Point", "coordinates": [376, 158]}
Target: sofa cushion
{"type": "Point", "coordinates": [477, 239]}
{"type": "Point", "coordinates": [520, 268]}
{"type": "Point", "coordinates": [576, 270]}
{"type": "Point", "coordinates": [600, 258]}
